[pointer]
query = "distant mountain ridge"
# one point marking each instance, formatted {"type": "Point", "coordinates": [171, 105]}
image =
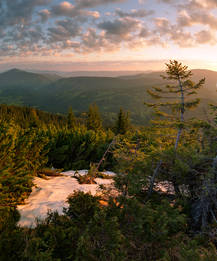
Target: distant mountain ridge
{"type": "Point", "coordinates": [16, 77]}
{"type": "Point", "coordinates": [68, 74]}
{"type": "Point", "coordinates": [53, 93]}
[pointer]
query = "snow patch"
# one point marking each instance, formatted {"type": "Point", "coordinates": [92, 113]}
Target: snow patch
{"type": "Point", "coordinates": [51, 194]}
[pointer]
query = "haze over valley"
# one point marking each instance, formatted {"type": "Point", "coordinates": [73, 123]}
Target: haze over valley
{"type": "Point", "coordinates": [53, 93]}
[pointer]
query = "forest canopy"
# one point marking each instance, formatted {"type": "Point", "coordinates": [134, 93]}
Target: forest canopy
{"type": "Point", "coordinates": [138, 222]}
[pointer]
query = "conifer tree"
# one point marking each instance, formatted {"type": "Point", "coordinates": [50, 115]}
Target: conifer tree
{"type": "Point", "coordinates": [181, 88]}
{"type": "Point", "coordinates": [71, 120]}
{"type": "Point", "coordinates": [34, 117]}
{"type": "Point", "coordinates": [94, 121]}
{"type": "Point", "coordinates": [122, 124]}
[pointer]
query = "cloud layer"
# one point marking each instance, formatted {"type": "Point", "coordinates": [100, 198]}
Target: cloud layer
{"type": "Point", "coordinates": [61, 28]}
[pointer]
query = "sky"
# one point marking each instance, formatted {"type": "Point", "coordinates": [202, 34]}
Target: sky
{"type": "Point", "coordinates": [113, 35]}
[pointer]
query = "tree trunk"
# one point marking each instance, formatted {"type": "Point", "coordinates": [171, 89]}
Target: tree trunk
{"type": "Point", "coordinates": [182, 114]}
{"type": "Point", "coordinates": [105, 153]}
{"type": "Point", "coordinates": [156, 171]}
{"type": "Point", "coordinates": [182, 110]}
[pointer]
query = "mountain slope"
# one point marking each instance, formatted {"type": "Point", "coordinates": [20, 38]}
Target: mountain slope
{"type": "Point", "coordinates": [21, 87]}
{"type": "Point", "coordinates": [17, 78]}
{"type": "Point", "coordinates": [108, 93]}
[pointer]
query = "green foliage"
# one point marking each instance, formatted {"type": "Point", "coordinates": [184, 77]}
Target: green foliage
{"type": "Point", "coordinates": [12, 241]}
{"type": "Point", "coordinates": [71, 120]}
{"type": "Point", "coordinates": [94, 121]}
{"type": "Point", "coordinates": [150, 227]}
{"type": "Point", "coordinates": [82, 207]}
{"type": "Point", "coordinates": [18, 150]}
{"type": "Point", "coordinates": [77, 148]}
{"type": "Point", "coordinates": [83, 233]}
{"type": "Point", "coordinates": [122, 225]}
{"type": "Point", "coordinates": [214, 109]}
{"type": "Point", "coordinates": [30, 117]}
{"type": "Point", "coordinates": [101, 238]}
{"type": "Point", "coordinates": [181, 87]}
{"type": "Point", "coordinates": [122, 124]}
{"type": "Point", "coordinates": [52, 94]}
{"type": "Point", "coordinates": [125, 229]}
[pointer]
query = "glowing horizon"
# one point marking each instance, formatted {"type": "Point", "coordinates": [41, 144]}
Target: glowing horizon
{"type": "Point", "coordinates": [107, 35]}
{"type": "Point", "coordinates": [131, 66]}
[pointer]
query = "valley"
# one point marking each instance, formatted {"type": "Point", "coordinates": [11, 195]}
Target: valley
{"type": "Point", "coordinates": [52, 93]}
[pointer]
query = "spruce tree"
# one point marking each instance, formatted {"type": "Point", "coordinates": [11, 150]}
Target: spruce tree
{"type": "Point", "coordinates": [122, 124]}
{"type": "Point", "coordinates": [71, 120]}
{"type": "Point", "coordinates": [94, 121]}
{"type": "Point", "coordinates": [182, 87]}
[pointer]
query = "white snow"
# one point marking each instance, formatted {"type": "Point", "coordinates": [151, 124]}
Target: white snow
{"type": "Point", "coordinates": [51, 194]}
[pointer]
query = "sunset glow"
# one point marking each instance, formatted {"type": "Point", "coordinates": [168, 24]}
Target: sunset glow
{"type": "Point", "coordinates": [107, 34]}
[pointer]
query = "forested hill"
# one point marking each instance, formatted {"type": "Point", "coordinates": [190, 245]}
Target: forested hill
{"type": "Point", "coordinates": [22, 79]}
{"type": "Point", "coordinates": [162, 201]}
{"type": "Point", "coordinates": [27, 116]}
{"type": "Point", "coordinates": [55, 94]}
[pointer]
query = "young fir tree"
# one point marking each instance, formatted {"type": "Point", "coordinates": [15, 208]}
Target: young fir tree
{"type": "Point", "coordinates": [181, 88]}
{"type": "Point", "coordinates": [94, 121]}
{"type": "Point", "coordinates": [122, 123]}
{"type": "Point", "coordinates": [178, 92]}
{"type": "Point", "coordinates": [71, 120]}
